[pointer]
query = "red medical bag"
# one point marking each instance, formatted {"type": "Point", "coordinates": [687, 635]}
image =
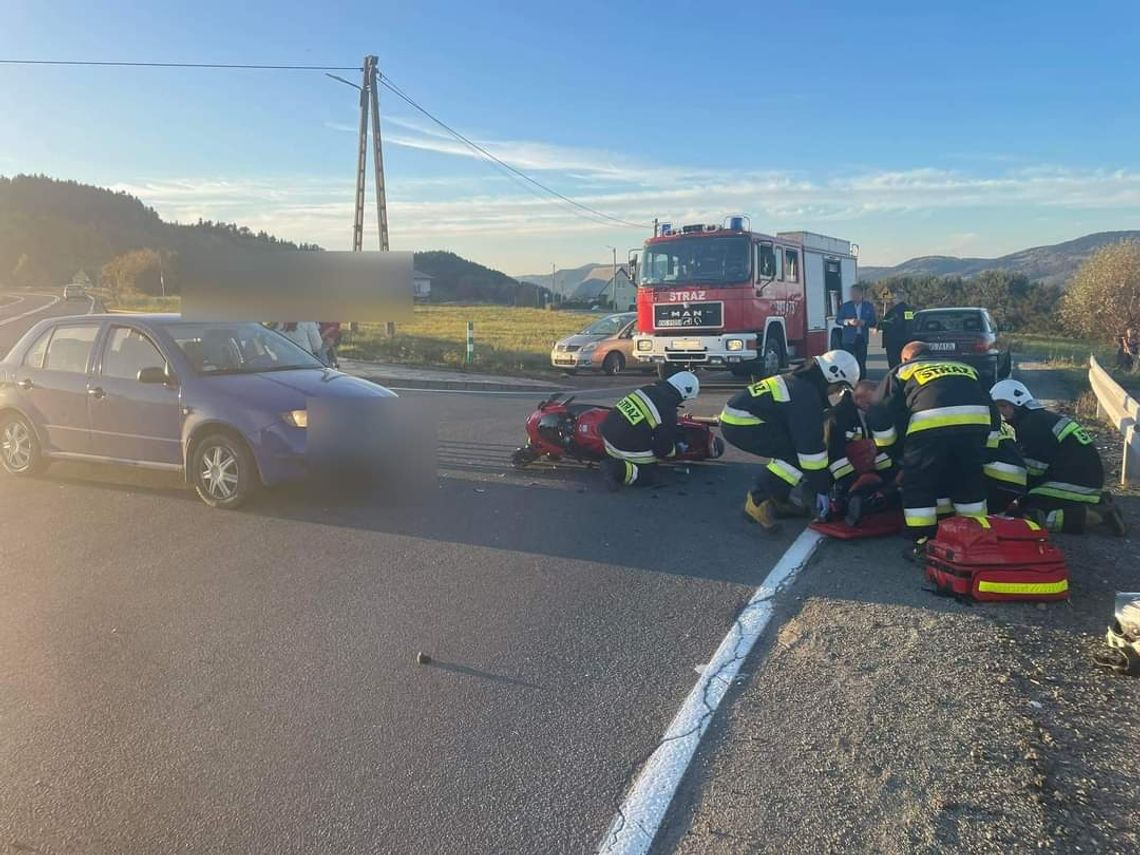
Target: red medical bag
{"type": "Point", "coordinates": [994, 559]}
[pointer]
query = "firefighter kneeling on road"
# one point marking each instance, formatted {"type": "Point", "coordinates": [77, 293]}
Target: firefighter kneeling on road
{"type": "Point", "coordinates": [781, 418]}
{"type": "Point", "coordinates": [1066, 476]}
{"type": "Point", "coordinates": [642, 429]}
{"type": "Point", "coordinates": [944, 415]}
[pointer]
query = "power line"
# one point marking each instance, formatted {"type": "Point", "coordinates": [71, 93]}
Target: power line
{"type": "Point", "coordinates": [180, 65]}
{"type": "Point", "coordinates": [392, 87]}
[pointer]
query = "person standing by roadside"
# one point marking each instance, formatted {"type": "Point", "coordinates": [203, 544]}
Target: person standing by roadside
{"type": "Point", "coordinates": [896, 326]}
{"type": "Point", "coordinates": [856, 316]}
{"type": "Point", "coordinates": [330, 338]}
{"type": "Point", "coordinates": [305, 334]}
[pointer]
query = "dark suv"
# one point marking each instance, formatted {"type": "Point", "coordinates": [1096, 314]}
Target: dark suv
{"type": "Point", "coordinates": [964, 334]}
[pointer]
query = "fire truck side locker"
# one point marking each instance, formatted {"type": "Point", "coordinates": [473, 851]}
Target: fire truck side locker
{"type": "Point", "coordinates": [830, 269]}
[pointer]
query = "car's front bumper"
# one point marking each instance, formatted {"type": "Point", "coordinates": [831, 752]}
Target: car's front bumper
{"type": "Point", "coordinates": [279, 450]}
{"type": "Point", "coordinates": [576, 359]}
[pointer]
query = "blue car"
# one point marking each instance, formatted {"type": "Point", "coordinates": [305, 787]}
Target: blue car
{"type": "Point", "coordinates": [225, 403]}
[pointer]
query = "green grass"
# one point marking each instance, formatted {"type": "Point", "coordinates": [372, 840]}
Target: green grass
{"type": "Point", "coordinates": [507, 339]}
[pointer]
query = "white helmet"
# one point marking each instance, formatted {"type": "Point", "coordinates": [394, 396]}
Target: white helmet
{"type": "Point", "coordinates": [1014, 392]}
{"type": "Point", "coordinates": [839, 366]}
{"type": "Point", "coordinates": [686, 383]}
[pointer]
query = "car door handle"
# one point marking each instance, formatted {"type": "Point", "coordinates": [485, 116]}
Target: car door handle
{"type": "Point", "coordinates": [25, 384]}
{"type": "Point", "coordinates": [96, 391]}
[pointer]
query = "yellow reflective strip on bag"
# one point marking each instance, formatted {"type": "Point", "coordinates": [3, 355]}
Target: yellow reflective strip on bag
{"type": "Point", "coordinates": [1032, 525]}
{"type": "Point", "coordinates": [980, 520]}
{"type": "Point", "coordinates": [1023, 587]}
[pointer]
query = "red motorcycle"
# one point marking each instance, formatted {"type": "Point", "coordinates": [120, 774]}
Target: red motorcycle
{"type": "Point", "coordinates": [562, 429]}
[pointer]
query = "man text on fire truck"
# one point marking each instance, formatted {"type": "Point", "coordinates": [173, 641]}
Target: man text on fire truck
{"type": "Point", "coordinates": [1004, 467]}
{"type": "Point", "coordinates": [896, 326]}
{"type": "Point", "coordinates": [642, 429]}
{"type": "Point", "coordinates": [942, 415]}
{"type": "Point", "coordinates": [863, 476]}
{"type": "Point", "coordinates": [856, 316]}
{"type": "Point", "coordinates": [1066, 476]}
{"type": "Point", "coordinates": [781, 418]}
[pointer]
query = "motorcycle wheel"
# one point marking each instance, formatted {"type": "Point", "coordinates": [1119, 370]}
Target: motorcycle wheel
{"type": "Point", "coordinates": [523, 457]}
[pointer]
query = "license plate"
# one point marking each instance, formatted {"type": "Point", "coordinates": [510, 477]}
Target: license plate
{"type": "Point", "coordinates": [687, 344]}
{"type": "Point", "coordinates": [564, 360]}
{"type": "Point", "coordinates": [683, 315]}
{"type": "Point", "coordinates": [940, 345]}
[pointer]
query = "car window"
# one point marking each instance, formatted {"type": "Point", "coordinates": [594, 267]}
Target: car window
{"type": "Point", "coordinates": [605, 326]}
{"type": "Point", "coordinates": [950, 321]}
{"type": "Point", "coordinates": [128, 351]}
{"type": "Point", "coordinates": [70, 348]}
{"type": "Point", "coordinates": [238, 348]}
{"type": "Point", "coordinates": [34, 358]}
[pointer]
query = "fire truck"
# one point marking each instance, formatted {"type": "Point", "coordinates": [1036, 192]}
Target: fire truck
{"type": "Point", "coordinates": [726, 297]}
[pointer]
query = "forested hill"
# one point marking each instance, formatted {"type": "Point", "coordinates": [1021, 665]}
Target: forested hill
{"type": "Point", "coordinates": [51, 231]}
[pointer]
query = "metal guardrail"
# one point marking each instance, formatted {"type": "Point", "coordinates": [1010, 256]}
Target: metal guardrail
{"type": "Point", "coordinates": [1120, 409]}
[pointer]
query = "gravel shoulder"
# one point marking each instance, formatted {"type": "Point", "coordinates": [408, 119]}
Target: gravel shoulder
{"type": "Point", "coordinates": [878, 717]}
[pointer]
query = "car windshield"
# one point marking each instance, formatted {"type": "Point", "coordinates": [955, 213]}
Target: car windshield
{"type": "Point", "coordinates": [966, 321]}
{"type": "Point", "coordinates": [237, 348]}
{"type": "Point", "coordinates": [697, 260]}
{"type": "Point", "coordinates": [607, 326]}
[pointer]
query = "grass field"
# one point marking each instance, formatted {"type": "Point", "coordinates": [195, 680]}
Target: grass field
{"type": "Point", "coordinates": [507, 339]}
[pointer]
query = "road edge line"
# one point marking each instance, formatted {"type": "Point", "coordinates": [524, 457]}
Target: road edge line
{"type": "Point", "coordinates": [638, 820]}
{"type": "Point", "coordinates": [43, 308]}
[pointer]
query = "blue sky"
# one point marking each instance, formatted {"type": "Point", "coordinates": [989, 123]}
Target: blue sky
{"type": "Point", "coordinates": [973, 128]}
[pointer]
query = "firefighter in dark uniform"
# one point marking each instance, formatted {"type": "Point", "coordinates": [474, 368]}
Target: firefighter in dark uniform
{"type": "Point", "coordinates": [642, 429]}
{"type": "Point", "coordinates": [781, 418]}
{"type": "Point", "coordinates": [896, 326]}
{"type": "Point", "coordinates": [942, 415]}
{"type": "Point", "coordinates": [1004, 468]}
{"type": "Point", "coordinates": [1066, 476]}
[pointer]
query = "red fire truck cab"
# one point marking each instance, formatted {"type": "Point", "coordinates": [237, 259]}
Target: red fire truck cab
{"type": "Point", "coordinates": [726, 297]}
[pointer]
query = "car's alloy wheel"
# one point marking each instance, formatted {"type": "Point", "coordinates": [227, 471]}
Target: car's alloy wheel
{"type": "Point", "coordinates": [223, 472]}
{"type": "Point", "coordinates": [19, 449]}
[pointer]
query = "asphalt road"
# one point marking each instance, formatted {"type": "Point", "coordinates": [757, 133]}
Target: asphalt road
{"type": "Point", "coordinates": [174, 678]}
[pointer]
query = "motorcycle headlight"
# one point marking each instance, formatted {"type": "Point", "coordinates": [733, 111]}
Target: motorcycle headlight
{"type": "Point", "coordinates": [734, 344]}
{"type": "Point", "coordinates": [296, 418]}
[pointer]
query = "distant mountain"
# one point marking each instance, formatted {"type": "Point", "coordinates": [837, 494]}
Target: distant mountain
{"type": "Point", "coordinates": [1053, 265]}
{"type": "Point", "coordinates": [567, 280]}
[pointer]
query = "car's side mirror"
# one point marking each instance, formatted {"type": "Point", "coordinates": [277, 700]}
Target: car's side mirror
{"type": "Point", "coordinates": [156, 374]}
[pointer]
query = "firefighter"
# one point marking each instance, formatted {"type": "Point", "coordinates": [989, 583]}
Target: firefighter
{"type": "Point", "coordinates": [1066, 476]}
{"type": "Point", "coordinates": [642, 429]}
{"type": "Point", "coordinates": [781, 418]}
{"type": "Point", "coordinates": [896, 327]}
{"type": "Point", "coordinates": [1005, 472]}
{"type": "Point", "coordinates": [942, 415]}
{"type": "Point", "coordinates": [862, 474]}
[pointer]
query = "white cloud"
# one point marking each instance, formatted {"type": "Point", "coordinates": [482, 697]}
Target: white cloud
{"type": "Point", "coordinates": [431, 211]}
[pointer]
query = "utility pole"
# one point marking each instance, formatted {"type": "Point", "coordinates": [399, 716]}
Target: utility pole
{"type": "Point", "coordinates": [613, 290]}
{"type": "Point", "coordinates": [369, 105]}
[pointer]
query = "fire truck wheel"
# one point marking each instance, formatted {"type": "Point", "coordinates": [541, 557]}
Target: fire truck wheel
{"type": "Point", "coordinates": [773, 359]}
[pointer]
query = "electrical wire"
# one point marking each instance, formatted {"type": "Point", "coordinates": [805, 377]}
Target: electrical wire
{"type": "Point", "coordinates": [387, 83]}
{"type": "Point", "coordinates": [180, 65]}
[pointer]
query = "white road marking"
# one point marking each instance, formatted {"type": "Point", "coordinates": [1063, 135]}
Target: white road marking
{"type": "Point", "coordinates": [15, 301]}
{"type": "Point", "coordinates": [42, 308]}
{"type": "Point", "coordinates": [640, 816]}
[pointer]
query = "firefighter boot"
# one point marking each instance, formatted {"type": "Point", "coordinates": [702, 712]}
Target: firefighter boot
{"type": "Point", "coordinates": [1110, 516]}
{"type": "Point", "coordinates": [763, 513]}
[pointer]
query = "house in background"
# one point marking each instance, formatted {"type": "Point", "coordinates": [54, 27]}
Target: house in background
{"type": "Point", "coordinates": [421, 285]}
{"type": "Point", "coordinates": [599, 288]}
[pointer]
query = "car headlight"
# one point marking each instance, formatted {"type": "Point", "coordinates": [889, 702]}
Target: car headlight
{"type": "Point", "coordinates": [644, 344]}
{"type": "Point", "coordinates": [296, 418]}
{"type": "Point", "coordinates": [734, 344]}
